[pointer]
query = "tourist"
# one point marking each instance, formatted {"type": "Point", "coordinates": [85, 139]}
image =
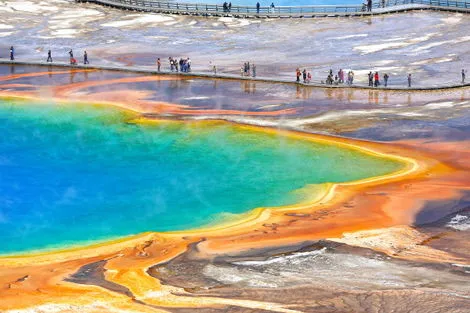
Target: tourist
{"type": "Point", "coordinates": [329, 79]}
{"type": "Point", "coordinates": [376, 79]}
{"type": "Point", "coordinates": [350, 77]}
{"type": "Point", "coordinates": [369, 5]}
{"type": "Point", "coordinates": [49, 56]}
{"type": "Point", "coordinates": [304, 75]}
{"type": "Point", "coordinates": [72, 59]}
{"type": "Point", "coordinates": [371, 79]}
{"type": "Point", "coordinates": [463, 76]}
{"type": "Point", "coordinates": [409, 80]}
{"type": "Point", "coordinates": [85, 58]}
{"type": "Point", "coordinates": [159, 64]}
{"type": "Point", "coordinates": [230, 6]}
{"type": "Point", "coordinates": [257, 7]}
{"type": "Point", "coordinates": [272, 7]}
{"type": "Point", "coordinates": [225, 6]}
{"type": "Point", "coordinates": [188, 63]}
{"type": "Point", "coordinates": [385, 79]}
{"type": "Point", "coordinates": [12, 53]}
{"type": "Point", "coordinates": [341, 76]}
{"type": "Point", "coordinates": [297, 73]}
{"type": "Point", "coordinates": [214, 69]}
{"type": "Point", "coordinates": [336, 80]}
{"type": "Point", "coordinates": [364, 6]}
{"type": "Point", "coordinates": [253, 68]}
{"type": "Point", "coordinates": [309, 77]}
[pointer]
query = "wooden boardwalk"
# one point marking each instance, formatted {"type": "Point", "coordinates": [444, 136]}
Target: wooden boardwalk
{"type": "Point", "coordinates": [201, 9]}
{"type": "Point", "coordinates": [208, 75]}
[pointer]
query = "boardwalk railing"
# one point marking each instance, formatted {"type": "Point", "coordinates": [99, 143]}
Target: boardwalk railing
{"type": "Point", "coordinates": [379, 6]}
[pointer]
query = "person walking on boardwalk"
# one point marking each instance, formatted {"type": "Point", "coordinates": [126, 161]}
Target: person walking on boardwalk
{"type": "Point", "coordinates": [409, 80]}
{"type": "Point", "coordinates": [230, 6]}
{"type": "Point", "coordinates": [159, 64]}
{"type": "Point", "coordinates": [297, 73]}
{"type": "Point", "coordinates": [73, 61]}
{"type": "Point", "coordinates": [376, 79]}
{"type": "Point", "coordinates": [12, 53]}
{"type": "Point", "coordinates": [49, 56]}
{"type": "Point", "coordinates": [85, 58]}
{"type": "Point", "coordinates": [253, 69]}
{"type": "Point", "coordinates": [369, 5]}
{"type": "Point", "coordinates": [341, 76]}
{"type": "Point", "coordinates": [304, 75]}
{"type": "Point", "coordinates": [257, 7]}
{"type": "Point", "coordinates": [272, 7]}
{"type": "Point", "coordinates": [385, 79]}
{"type": "Point", "coordinates": [463, 76]}
{"type": "Point", "coordinates": [371, 79]}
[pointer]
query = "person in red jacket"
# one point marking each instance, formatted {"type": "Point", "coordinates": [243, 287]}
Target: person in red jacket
{"type": "Point", "coordinates": [376, 79]}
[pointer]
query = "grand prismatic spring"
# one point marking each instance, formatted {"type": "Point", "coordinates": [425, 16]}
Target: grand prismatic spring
{"type": "Point", "coordinates": [127, 190]}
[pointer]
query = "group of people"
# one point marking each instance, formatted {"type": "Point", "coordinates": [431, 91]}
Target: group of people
{"type": "Point", "coordinates": [374, 79]}
{"type": "Point", "coordinates": [73, 61]}
{"type": "Point", "coordinates": [367, 5]}
{"type": "Point", "coordinates": [248, 69]}
{"type": "Point", "coordinates": [306, 76]}
{"type": "Point", "coordinates": [183, 65]}
{"type": "Point", "coordinates": [227, 6]}
{"type": "Point", "coordinates": [339, 78]}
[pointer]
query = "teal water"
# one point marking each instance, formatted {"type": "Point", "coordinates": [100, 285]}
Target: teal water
{"type": "Point", "coordinates": [74, 174]}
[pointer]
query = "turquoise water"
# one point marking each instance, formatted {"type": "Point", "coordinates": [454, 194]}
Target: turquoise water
{"type": "Point", "coordinates": [74, 174]}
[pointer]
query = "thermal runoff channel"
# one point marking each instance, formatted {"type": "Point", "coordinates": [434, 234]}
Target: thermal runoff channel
{"type": "Point", "coordinates": [74, 174]}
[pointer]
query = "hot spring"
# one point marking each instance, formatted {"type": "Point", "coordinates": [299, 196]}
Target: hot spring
{"type": "Point", "coordinates": [75, 174]}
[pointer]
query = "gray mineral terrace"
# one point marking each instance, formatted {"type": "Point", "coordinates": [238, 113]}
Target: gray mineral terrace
{"type": "Point", "coordinates": [239, 11]}
{"type": "Point", "coordinates": [431, 45]}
